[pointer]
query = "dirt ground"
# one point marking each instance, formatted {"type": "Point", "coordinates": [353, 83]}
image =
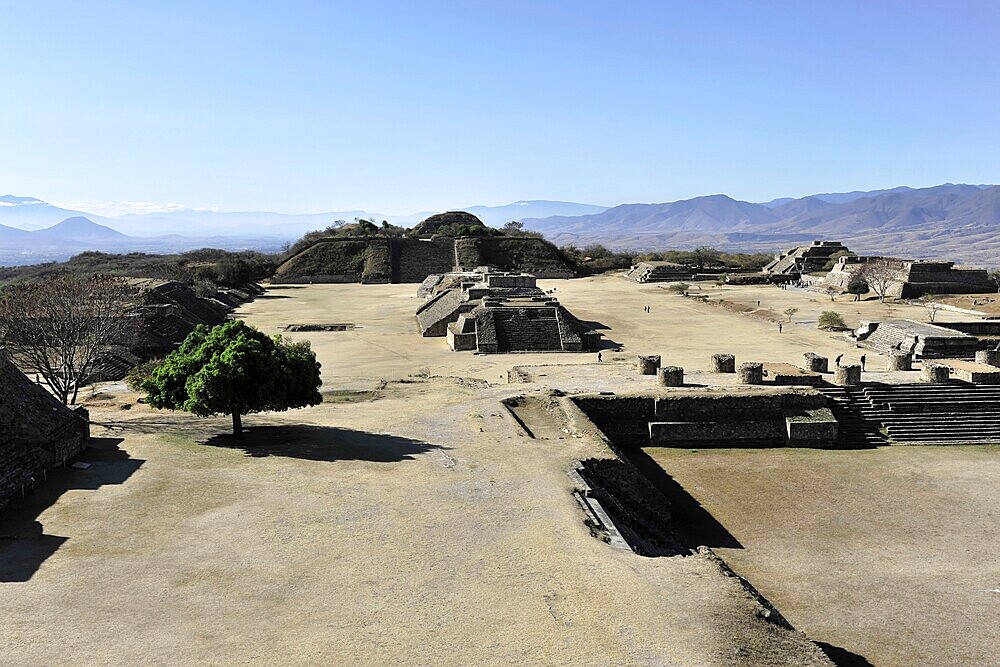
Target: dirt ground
{"type": "Point", "coordinates": [405, 520]}
{"type": "Point", "coordinates": [889, 553]}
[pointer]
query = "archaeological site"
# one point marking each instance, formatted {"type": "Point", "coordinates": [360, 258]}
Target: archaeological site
{"type": "Point", "coordinates": [707, 471]}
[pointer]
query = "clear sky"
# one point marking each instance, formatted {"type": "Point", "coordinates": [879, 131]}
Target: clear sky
{"type": "Point", "coordinates": [398, 107]}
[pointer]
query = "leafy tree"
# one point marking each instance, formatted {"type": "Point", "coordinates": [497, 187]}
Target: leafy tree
{"type": "Point", "coordinates": [513, 227]}
{"type": "Point", "coordinates": [790, 312]}
{"type": "Point", "coordinates": [857, 285]}
{"type": "Point", "coordinates": [680, 288]}
{"type": "Point", "coordinates": [704, 256]}
{"type": "Point", "coordinates": [235, 369]}
{"type": "Point", "coordinates": [830, 319]}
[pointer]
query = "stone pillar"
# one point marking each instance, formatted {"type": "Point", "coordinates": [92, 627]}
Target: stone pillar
{"type": "Point", "coordinates": [750, 372]}
{"type": "Point", "coordinates": [648, 364]}
{"type": "Point", "coordinates": [988, 357]}
{"type": "Point", "coordinates": [938, 373]}
{"type": "Point", "coordinates": [847, 375]}
{"type": "Point", "coordinates": [899, 361]}
{"type": "Point", "coordinates": [816, 363]}
{"type": "Point", "coordinates": [670, 376]}
{"type": "Point", "coordinates": [723, 363]}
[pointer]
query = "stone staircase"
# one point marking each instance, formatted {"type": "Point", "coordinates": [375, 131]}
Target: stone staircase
{"type": "Point", "coordinates": [535, 331]}
{"type": "Point", "coordinates": [850, 406]}
{"type": "Point", "coordinates": [920, 414]}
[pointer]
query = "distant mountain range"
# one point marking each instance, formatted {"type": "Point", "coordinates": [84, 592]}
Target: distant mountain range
{"type": "Point", "coordinates": [960, 222]}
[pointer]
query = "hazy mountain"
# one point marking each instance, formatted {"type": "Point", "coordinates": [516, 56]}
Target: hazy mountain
{"type": "Point", "coordinates": [31, 213]}
{"type": "Point", "coordinates": [939, 221]}
{"type": "Point", "coordinates": [497, 216]}
{"type": "Point", "coordinates": [78, 234]}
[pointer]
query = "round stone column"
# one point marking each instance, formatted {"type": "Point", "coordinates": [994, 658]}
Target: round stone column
{"type": "Point", "coordinates": [847, 375]}
{"type": "Point", "coordinates": [647, 364]}
{"type": "Point", "coordinates": [937, 373]}
{"type": "Point", "coordinates": [988, 357]}
{"type": "Point", "coordinates": [815, 363]}
{"type": "Point", "coordinates": [670, 376]}
{"type": "Point", "coordinates": [723, 363]}
{"type": "Point", "coordinates": [750, 372]}
{"type": "Point", "coordinates": [899, 361]}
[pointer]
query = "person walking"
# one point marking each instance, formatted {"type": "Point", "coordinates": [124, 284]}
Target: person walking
{"type": "Point", "coordinates": [862, 362]}
{"type": "Point", "coordinates": [600, 357]}
{"type": "Point", "coordinates": [836, 361]}
{"type": "Point", "coordinates": [779, 327]}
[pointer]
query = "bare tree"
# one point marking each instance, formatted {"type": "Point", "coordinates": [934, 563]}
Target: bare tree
{"type": "Point", "coordinates": [832, 292]}
{"type": "Point", "coordinates": [790, 312]}
{"type": "Point", "coordinates": [880, 274]}
{"type": "Point", "coordinates": [931, 305]}
{"type": "Point", "coordinates": [59, 328]}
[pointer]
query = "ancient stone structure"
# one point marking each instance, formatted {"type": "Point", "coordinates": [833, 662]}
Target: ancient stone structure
{"type": "Point", "coordinates": [660, 272]}
{"type": "Point", "coordinates": [972, 372]}
{"type": "Point", "coordinates": [914, 278]}
{"type": "Point", "coordinates": [746, 417]}
{"type": "Point", "coordinates": [723, 363]}
{"type": "Point", "coordinates": [816, 363]}
{"type": "Point", "coordinates": [493, 312]}
{"type": "Point", "coordinates": [899, 361]}
{"type": "Point", "coordinates": [367, 259]}
{"type": "Point", "coordinates": [670, 376]}
{"type": "Point", "coordinates": [647, 364]}
{"type": "Point", "coordinates": [847, 375]}
{"type": "Point", "coordinates": [804, 259]}
{"type": "Point", "coordinates": [923, 341]}
{"type": "Point", "coordinates": [37, 432]}
{"type": "Point", "coordinates": [787, 374]}
{"type": "Point", "coordinates": [934, 372]}
{"type": "Point", "coordinates": [750, 372]}
{"type": "Point", "coordinates": [988, 357]}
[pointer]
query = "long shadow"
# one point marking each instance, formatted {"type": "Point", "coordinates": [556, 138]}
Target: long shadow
{"type": "Point", "coordinates": [694, 524]}
{"type": "Point", "coordinates": [24, 545]}
{"type": "Point", "coordinates": [323, 443]}
{"type": "Point", "coordinates": [596, 326]}
{"type": "Point", "coordinates": [273, 296]}
{"type": "Point", "coordinates": [608, 344]}
{"type": "Point", "coordinates": [841, 657]}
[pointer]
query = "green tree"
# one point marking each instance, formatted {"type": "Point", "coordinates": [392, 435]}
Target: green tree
{"type": "Point", "coordinates": [857, 285]}
{"type": "Point", "coordinates": [830, 319]}
{"type": "Point", "coordinates": [236, 370]}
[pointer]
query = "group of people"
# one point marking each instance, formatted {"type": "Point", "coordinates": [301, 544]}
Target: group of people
{"type": "Point", "coordinates": [840, 358]}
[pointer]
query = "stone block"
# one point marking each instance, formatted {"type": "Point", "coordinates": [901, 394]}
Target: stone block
{"type": "Point", "coordinates": [847, 375]}
{"type": "Point", "coordinates": [988, 357]}
{"type": "Point", "coordinates": [723, 363]}
{"type": "Point", "coordinates": [750, 372]}
{"type": "Point", "coordinates": [816, 427]}
{"type": "Point", "coordinates": [816, 363]}
{"type": "Point", "coordinates": [670, 376]}
{"type": "Point", "coordinates": [899, 361]}
{"type": "Point", "coordinates": [647, 364]}
{"type": "Point", "coordinates": [937, 373]}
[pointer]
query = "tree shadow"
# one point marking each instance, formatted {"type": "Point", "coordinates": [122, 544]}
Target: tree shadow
{"type": "Point", "coordinates": [273, 296]}
{"type": "Point", "coordinates": [323, 443]}
{"type": "Point", "coordinates": [695, 526]}
{"type": "Point", "coordinates": [841, 657]}
{"type": "Point", "coordinates": [24, 546]}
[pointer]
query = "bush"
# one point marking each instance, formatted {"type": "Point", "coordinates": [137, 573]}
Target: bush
{"type": "Point", "coordinates": [680, 288]}
{"type": "Point", "coordinates": [135, 378]}
{"type": "Point", "coordinates": [205, 288]}
{"type": "Point", "coordinates": [831, 321]}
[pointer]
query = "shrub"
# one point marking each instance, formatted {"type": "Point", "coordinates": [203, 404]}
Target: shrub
{"type": "Point", "coordinates": [139, 374]}
{"type": "Point", "coordinates": [830, 320]}
{"type": "Point", "coordinates": [680, 288]}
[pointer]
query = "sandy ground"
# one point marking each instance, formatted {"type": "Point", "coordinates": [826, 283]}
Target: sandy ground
{"type": "Point", "coordinates": [889, 553]}
{"type": "Point", "coordinates": [421, 527]}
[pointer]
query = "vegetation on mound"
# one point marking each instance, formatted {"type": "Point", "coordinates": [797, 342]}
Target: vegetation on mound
{"type": "Point", "coordinates": [511, 254]}
{"type": "Point", "coordinates": [207, 265]}
{"type": "Point", "coordinates": [594, 259]}
{"type": "Point", "coordinates": [831, 321]}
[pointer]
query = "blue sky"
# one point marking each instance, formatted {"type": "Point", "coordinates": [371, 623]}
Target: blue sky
{"type": "Point", "coordinates": [399, 107]}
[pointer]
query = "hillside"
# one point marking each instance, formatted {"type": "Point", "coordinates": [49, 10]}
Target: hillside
{"type": "Point", "coordinates": [960, 222]}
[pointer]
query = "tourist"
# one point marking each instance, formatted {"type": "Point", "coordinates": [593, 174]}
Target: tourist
{"type": "Point", "coordinates": [862, 362]}
{"type": "Point", "coordinates": [600, 357]}
{"type": "Point", "coordinates": [837, 360]}
{"type": "Point", "coordinates": [779, 327]}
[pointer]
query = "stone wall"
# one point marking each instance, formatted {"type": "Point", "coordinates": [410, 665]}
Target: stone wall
{"type": "Point", "coordinates": [38, 432]}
